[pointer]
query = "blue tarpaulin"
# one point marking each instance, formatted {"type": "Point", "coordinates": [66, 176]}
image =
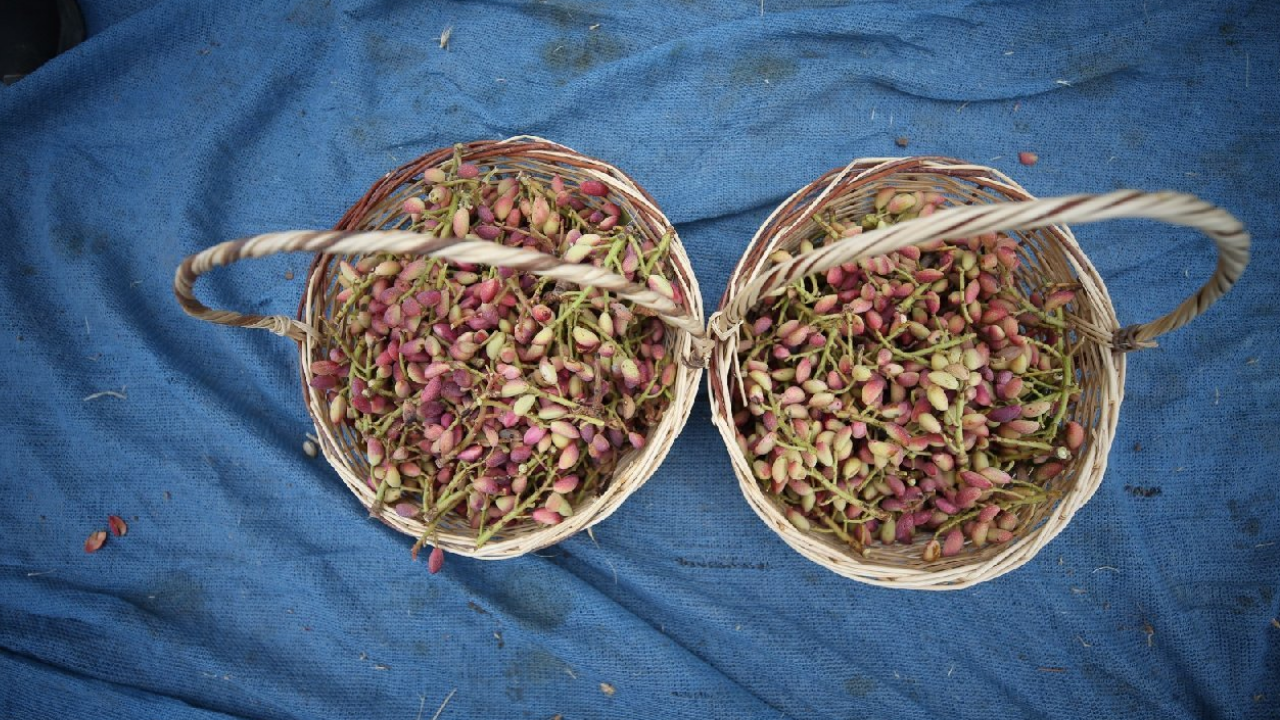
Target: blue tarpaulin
{"type": "Point", "coordinates": [251, 584]}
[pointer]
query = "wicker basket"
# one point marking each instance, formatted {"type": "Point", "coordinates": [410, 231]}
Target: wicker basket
{"type": "Point", "coordinates": [1050, 254]}
{"type": "Point", "coordinates": [369, 227]}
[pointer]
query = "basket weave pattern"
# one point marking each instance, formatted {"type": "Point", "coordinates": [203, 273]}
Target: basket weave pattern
{"type": "Point", "coordinates": [988, 202]}
{"type": "Point", "coordinates": [376, 223]}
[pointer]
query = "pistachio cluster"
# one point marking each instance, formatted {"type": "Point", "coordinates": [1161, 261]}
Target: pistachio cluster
{"type": "Point", "coordinates": [498, 396]}
{"type": "Point", "coordinates": [922, 394]}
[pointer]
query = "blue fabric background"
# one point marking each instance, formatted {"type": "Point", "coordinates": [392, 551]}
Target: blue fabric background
{"type": "Point", "coordinates": [251, 586]}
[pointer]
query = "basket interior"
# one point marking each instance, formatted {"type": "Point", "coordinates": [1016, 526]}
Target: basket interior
{"type": "Point", "coordinates": [1050, 255]}
{"type": "Point", "coordinates": [381, 210]}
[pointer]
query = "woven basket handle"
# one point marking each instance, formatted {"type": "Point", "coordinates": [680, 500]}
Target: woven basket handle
{"type": "Point", "coordinates": [401, 242]}
{"type": "Point", "coordinates": [953, 223]}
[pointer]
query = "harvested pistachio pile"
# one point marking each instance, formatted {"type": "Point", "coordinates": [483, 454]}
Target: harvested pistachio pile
{"type": "Point", "coordinates": [922, 394]}
{"type": "Point", "coordinates": [496, 396]}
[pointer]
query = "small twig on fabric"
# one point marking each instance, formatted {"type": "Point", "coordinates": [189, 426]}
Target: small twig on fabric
{"type": "Point", "coordinates": [1082, 642]}
{"type": "Point", "coordinates": [762, 15]}
{"type": "Point", "coordinates": [86, 326]}
{"type": "Point", "coordinates": [46, 572]}
{"type": "Point", "coordinates": [1147, 628]}
{"type": "Point", "coordinates": [443, 704]}
{"type": "Point", "coordinates": [109, 393]}
{"type": "Point", "coordinates": [1106, 567]}
{"type": "Point", "coordinates": [592, 535]}
{"type": "Point", "coordinates": [444, 38]}
{"type": "Point", "coordinates": [1063, 83]}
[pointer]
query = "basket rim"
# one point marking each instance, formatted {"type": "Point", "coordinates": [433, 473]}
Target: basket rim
{"type": "Point", "coordinates": [460, 540]}
{"type": "Point", "coordinates": [962, 573]}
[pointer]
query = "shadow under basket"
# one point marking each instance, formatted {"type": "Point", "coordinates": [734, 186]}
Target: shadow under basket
{"type": "Point", "coordinates": [376, 224]}
{"type": "Point", "coordinates": [983, 201]}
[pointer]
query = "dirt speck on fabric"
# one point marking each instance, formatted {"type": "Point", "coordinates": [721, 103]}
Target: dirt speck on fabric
{"type": "Point", "coordinates": [565, 14]}
{"type": "Point", "coordinates": [523, 599]}
{"type": "Point", "coordinates": [535, 666]}
{"type": "Point", "coordinates": [860, 686]}
{"type": "Point", "coordinates": [1143, 491]}
{"type": "Point", "coordinates": [763, 70]}
{"type": "Point", "coordinates": [71, 241]}
{"type": "Point", "coordinates": [311, 13]}
{"type": "Point", "coordinates": [579, 54]}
